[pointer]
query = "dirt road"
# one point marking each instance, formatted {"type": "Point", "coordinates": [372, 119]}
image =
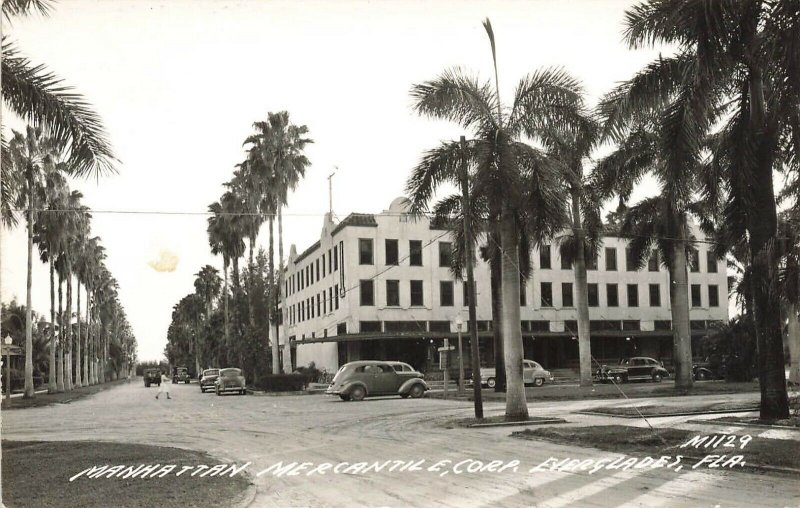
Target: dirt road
{"type": "Point", "coordinates": [265, 430]}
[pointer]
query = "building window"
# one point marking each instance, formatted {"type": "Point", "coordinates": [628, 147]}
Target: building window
{"type": "Point", "coordinates": [311, 306]}
{"type": "Point", "coordinates": [662, 325]}
{"type": "Point", "coordinates": [369, 326]}
{"type": "Point", "coordinates": [439, 326]}
{"type": "Point", "coordinates": [655, 295]}
{"type": "Point", "coordinates": [652, 263]}
{"type": "Point", "coordinates": [523, 293]}
{"type": "Point", "coordinates": [544, 257]}
{"type": "Point", "coordinates": [630, 264]}
{"type": "Point", "coordinates": [711, 261]}
{"type": "Point", "coordinates": [633, 295]}
{"type": "Point", "coordinates": [341, 328]}
{"type": "Point", "coordinates": [330, 298]}
{"type": "Point", "coordinates": [392, 293]}
{"type": "Point", "coordinates": [330, 260]}
{"type": "Point", "coordinates": [318, 269]}
{"type": "Point", "coordinates": [611, 259]}
{"type": "Point", "coordinates": [631, 325]}
{"type": "Point", "coordinates": [319, 305]}
{"type": "Point", "coordinates": [696, 299]}
{"type": "Point", "coordinates": [694, 260]}
{"type": "Point", "coordinates": [365, 251]}
{"type": "Point", "coordinates": [336, 297]}
{"type": "Point", "coordinates": [391, 252]}
{"type": "Point", "coordinates": [415, 252]}
{"type": "Point", "coordinates": [591, 262]}
{"type": "Point", "coordinates": [367, 293]}
{"type": "Point", "coordinates": [565, 264]}
{"type": "Point", "coordinates": [324, 302]}
{"type": "Point", "coordinates": [594, 298]}
{"type": "Point", "coordinates": [323, 266]}
{"type": "Point", "coordinates": [713, 295]}
{"type": "Point", "coordinates": [416, 293]}
{"type": "Point", "coordinates": [566, 295]}
{"type": "Point", "coordinates": [612, 295]}
{"type": "Point", "coordinates": [445, 254]}
{"type": "Point", "coordinates": [547, 294]}
{"type": "Point", "coordinates": [336, 258]}
{"type": "Point", "coordinates": [446, 293]}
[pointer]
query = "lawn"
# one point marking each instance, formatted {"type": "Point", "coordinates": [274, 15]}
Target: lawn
{"type": "Point", "coordinates": [36, 474]}
{"type": "Point", "coordinates": [673, 410]}
{"type": "Point", "coordinates": [45, 399]}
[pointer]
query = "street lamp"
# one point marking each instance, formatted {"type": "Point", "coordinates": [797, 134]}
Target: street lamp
{"type": "Point", "coordinates": [7, 341]}
{"type": "Point", "coordinates": [459, 323]}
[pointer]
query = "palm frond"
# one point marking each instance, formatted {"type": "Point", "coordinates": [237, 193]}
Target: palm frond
{"type": "Point", "coordinates": [456, 97]}
{"type": "Point", "coordinates": [548, 100]}
{"type": "Point", "coordinates": [19, 8]}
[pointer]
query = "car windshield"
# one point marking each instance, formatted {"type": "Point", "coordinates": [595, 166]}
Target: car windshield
{"type": "Point", "coordinates": [230, 372]}
{"type": "Point", "coordinates": [211, 372]}
{"type": "Point", "coordinates": [339, 373]}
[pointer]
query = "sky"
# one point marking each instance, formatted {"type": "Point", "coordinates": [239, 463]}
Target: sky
{"type": "Point", "coordinates": [179, 84]}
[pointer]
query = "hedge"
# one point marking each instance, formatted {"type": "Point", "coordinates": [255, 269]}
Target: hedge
{"type": "Point", "coordinates": [281, 383]}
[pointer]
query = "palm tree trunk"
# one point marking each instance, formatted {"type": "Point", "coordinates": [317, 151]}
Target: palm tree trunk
{"type": "Point", "coordinates": [60, 376]}
{"type": "Point", "coordinates": [271, 298]}
{"type": "Point", "coordinates": [52, 387]}
{"type": "Point", "coordinates": [763, 229]}
{"type": "Point", "coordinates": [29, 388]}
{"type": "Point", "coordinates": [516, 404]}
{"type": "Point", "coordinates": [86, 375]}
{"type": "Point", "coordinates": [679, 304]}
{"type": "Point", "coordinates": [282, 310]}
{"type": "Point", "coordinates": [225, 263]}
{"type": "Point", "coordinates": [68, 364]}
{"type": "Point", "coordinates": [581, 293]}
{"type": "Point", "coordinates": [497, 312]}
{"type": "Point", "coordinates": [793, 341]}
{"type": "Point", "coordinates": [78, 338]}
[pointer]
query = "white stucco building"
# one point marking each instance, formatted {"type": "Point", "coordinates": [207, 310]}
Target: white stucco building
{"type": "Point", "coordinates": [379, 286]}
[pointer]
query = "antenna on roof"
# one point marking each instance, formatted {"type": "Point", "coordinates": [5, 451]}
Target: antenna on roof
{"type": "Point", "coordinates": [330, 191]}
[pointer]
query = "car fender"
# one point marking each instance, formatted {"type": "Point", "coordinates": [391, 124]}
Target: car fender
{"type": "Point", "coordinates": [707, 372]}
{"type": "Point", "coordinates": [347, 390]}
{"type": "Point", "coordinates": [406, 387]}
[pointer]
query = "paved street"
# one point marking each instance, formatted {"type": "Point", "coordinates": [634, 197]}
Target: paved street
{"type": "Point", "coordinates": [317, 429]}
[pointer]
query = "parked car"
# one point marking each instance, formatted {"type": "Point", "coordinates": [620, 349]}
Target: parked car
{"type": "Point", "coordinates": [208, 378]}
{"type": "Point", "coordinates": [707, 369]}
{"type": "Point", "coordinates": [367, 378]}
{"type": "Point", "coordinates": [532, 374]}
{"type": "Point", "coordinates": [632, 369]}
{"type": "Point", "coordinates": [180, 375]}
{"type": "Point", "coordinates": [152, 377]}
{"type": "Point", "coordinates": [230, 380]}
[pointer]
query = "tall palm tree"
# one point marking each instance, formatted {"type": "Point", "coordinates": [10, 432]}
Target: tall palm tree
{"type": "Point", "coordinates": [739, 62]}
{"type": "Point", "coordinates": [43, 100]}
{"type": "Point", "coordinates": [207, 287]}
{"type": "Point", "coordinates": [89, 264]}
{"type": "Point", "coordinates": [544, 102]}
{"type": "Point", "coordinates": [33, 157]}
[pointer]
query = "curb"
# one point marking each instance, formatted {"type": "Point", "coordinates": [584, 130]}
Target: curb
{"type": "Point", "coordinates": [746, 424]}
{"type": "Point", "coordinates": [260, 393]}
{"type": "Point", "coordinates": [666, 415]}
{"type": "Point", "coordinates": [518, 424]}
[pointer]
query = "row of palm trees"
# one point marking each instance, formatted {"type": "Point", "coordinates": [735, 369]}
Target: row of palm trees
{"type": "Point", "coordinates": [64, 137]}
{"type": "Point", "coordinates": [713, 124]}
{"type": "Point", "coordinates": [256, 194]}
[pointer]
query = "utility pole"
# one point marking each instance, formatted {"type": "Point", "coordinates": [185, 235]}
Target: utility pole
{"type": "Point", "coordinates": [473, 323]}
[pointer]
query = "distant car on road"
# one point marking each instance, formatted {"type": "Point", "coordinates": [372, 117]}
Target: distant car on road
{"type": "Point", "coordinates": [367, 378]}
{"type": "Point", "coordinates": [208, 378]}
{"type": "Point", "coordinates": [180, 375]}
{"type": "Point", "coordinates": [230, 380]}
{"type": "Point", "coordinates": [152, 377]}
{"type": "Point", "coordinates": [532, 374]}
{"type": "Point", "coordinates": [632, 369]}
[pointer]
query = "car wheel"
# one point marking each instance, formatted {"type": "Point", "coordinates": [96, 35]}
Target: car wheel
{"type": "Point", "coordinates": [618, 379]}
{"type": "Point", "coordinates": [417, 391]}
{"type": "Point", "coordinates": [202, 390]}
{"type": "Point", "coordinates": [657, 378]}
{"type": "Point", "coordinates": [701, 376]}
{"type": "Point", "coordinates": [344, 397]}
{"type": "Point", "coordinates": [491, 382]}
{"type": "Point", "coordinates": [358, 393]}
{"type": "Point", "coordinates": [539, 381]}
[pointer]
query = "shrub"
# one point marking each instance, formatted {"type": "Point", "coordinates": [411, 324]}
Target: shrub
{"type": "Point", "coordinates": [311, 373]}
{"type": "Point", "coordinates": [281, 382]}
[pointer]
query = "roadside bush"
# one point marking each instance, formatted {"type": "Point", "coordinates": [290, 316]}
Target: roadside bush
{"type": "Point", "coordinates": [311, 373]}
{"type": "Point", "coordinates": [281, 382]}
{"type": "Point", "coordinates": [732, 349]}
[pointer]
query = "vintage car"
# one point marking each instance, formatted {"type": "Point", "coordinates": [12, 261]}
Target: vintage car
{"type": "Point", "coordinates": [633, 369]}
{"type": "Point", "coordinates": [367, 378]}
{"type": "Point", "coordinates": [180, 375]}
{"type": "Point", "coordinates": [230, 380]}
{"type": "Point", "coordinates": [532, 374]}
{"type": "Point", "coordinates": [152, 377]}
{"type": "Point", "coordinates": [208, 378]}
{"type": "Point", "coordinates": [708, 369]}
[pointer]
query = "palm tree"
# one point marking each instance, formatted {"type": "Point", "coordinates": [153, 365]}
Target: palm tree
{"type": "Point", "coordinates": [42, 99]}
{"type": "Point", "coordinates": [509, 171]}
{"type": "Point", "coordinates": [89, 264]}
{"type": "Point", "coordinates": [276, 155]}
{"type": "Point", "coordinates": [738, 61]}
{"type": "Point", "coordinates": [207, 287]}
{"type": "Point", "coordinates": [33, 157]}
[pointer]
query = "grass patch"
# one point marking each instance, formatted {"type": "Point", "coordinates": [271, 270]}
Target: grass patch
{"type": "Point", "coordinates": [45, 399]}
{"type": "Point", "coordinates": [672, 410]}
{"type": "Point", "coordinates": [667, 441]}
{"type": "Point", "coordinates": [791, 422]}
{"type": "Point", "coordinates": [36, 474]}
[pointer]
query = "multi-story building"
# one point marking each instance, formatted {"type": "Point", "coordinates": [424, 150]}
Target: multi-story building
{"type": "Point", "coordinates": [379, 286]}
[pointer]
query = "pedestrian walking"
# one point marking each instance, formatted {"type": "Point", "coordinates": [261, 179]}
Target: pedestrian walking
{"type": "Point", "coordinates": [163, 387]}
